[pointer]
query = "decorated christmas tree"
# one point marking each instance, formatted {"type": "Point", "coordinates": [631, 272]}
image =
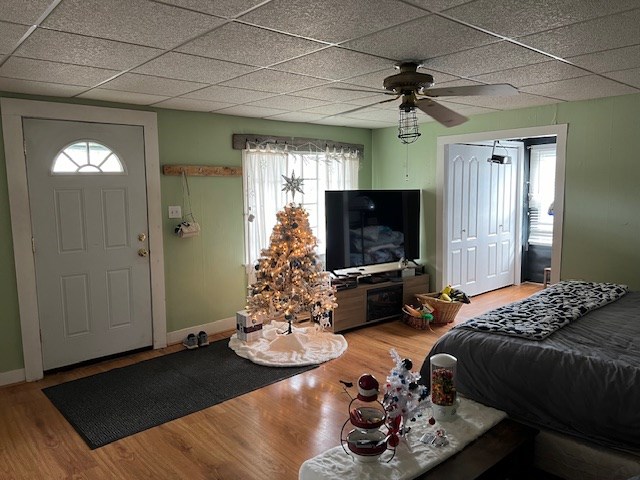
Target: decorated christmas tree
{"type": "Point", "coordinates": [290, 280]}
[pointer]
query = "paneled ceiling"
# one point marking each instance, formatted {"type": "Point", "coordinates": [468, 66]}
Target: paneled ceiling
{"type": "Point", "coordinates": [283, 59]}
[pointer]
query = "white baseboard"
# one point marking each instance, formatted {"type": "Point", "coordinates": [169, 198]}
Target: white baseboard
{"type": "Point", "coordinates": [13, 376]}
{"type": "Point", "coordinates": [214, 327]}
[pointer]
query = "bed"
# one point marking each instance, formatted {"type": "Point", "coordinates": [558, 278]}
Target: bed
{"type": "Point", "coordinates": [581, 380]}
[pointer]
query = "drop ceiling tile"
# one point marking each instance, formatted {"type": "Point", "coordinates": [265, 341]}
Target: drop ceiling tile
{"type": "Point", "coordinates": [22, 11]}
{"type": "Point", "coordinates": [192, 68]}
{"type": "Point", "coordinates": [352, 122]}
{"type": "Point", "coordinates": [335, 63]}
{"type": "Point", "coordinates": [534, 74]}
{"type": "Point", "coordinates": [436, 5]}
{"type": "Point", "coordinates": [53, 72]}
{"type": "Point", "coordinates": [514, 18]}
{"type": "Point", "coordinates": [630, 76]}
{"type": "Point", "coordinates": [371, 80]}
{"type": "Point", "coordinates": [247, 111]}
{"type": "Point", "coordinates": [221, 8]}
{"type": "Point", "coordinates": [250, 45]}
{"type": "Point", "coordinates": [274, 81]}
{"type": "Point", "coordinates": [167, 87]}
{"type": "Point", "coordinates": [609, 60]}
{"type": "Point", "coordinates": [216, 93]}
{"type": "Point", "coordinates": [82, 50]}
{"type": "Point", "coordinates": [288, 102]}
{"type": "Point", "coordinates": [583, 88]}
{"type": "Point", "coordinates": [331, 109]}
{"type": "Point", "coordinates": [604, 33]}
{"type": "Point", "coordinates": [485, 59]}
{"type": "Point", "coordinates": [10, 34]}
{"type": "Point", "coordinates": [192, 105]}
{"type": "Point", "coordinates": [141, 22]}
{"type": "Point", "coordinates": [39, 88]}
{"type": "Point", "coordinates": [338, 92]}
{"type": "Point", "coordinates": [522, 100]}
{"type": "Point", "coordinates": [331, 20]}
{"type": "Point", "coordinates": [122, 97]}
{"type": "Point", "coordinates": [420, 39]}
{"type": "Point", "coordinates": [374, 114]}
{"type": "Point", "coordinates": [301, 117]}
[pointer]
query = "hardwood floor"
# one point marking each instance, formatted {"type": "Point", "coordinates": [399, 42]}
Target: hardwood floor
{"type": "Point", "coordinates": [265, 434]}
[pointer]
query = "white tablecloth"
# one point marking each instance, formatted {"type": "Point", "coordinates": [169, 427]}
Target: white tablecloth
{"type": "Point", "coordinates": [412, 457]}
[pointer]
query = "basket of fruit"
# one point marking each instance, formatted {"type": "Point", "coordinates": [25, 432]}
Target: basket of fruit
{"type": "Point", "coordinates": [445, 304]}
{"type": "Point", "coordinates": [419, 317]}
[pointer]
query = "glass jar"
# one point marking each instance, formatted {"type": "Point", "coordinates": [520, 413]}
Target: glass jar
{"type": "Point", "coordinates": [444, 399]}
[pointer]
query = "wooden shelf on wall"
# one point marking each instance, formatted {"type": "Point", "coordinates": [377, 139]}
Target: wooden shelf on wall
{"type": "Point", "coordinates": [202, 171]}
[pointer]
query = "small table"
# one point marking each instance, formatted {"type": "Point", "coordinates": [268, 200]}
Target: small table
{"type": "Point", "coordinates": [474, 420]}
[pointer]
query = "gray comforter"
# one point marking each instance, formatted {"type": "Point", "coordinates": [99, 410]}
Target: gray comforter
{"type": "Point", "coordinates": [583, 380]}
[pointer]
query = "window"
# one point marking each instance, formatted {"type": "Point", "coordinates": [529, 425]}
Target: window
{"type": "Point", "coordinates": [541, 194]}
{"type": "Point", "coordinates": [86, 157]}
{"type": "Point", "coordinates": [262, 175]}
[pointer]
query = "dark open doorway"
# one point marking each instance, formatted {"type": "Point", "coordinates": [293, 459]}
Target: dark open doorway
{"type": "Point", "coordinates": [538, 207]}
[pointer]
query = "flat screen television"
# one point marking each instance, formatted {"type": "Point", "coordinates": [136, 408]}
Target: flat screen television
{"type": "Point", "coordinates": [370, 227]}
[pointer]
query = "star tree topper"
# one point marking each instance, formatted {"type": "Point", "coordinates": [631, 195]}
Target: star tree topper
{"type": "Point", "coordinates": [292, 184]}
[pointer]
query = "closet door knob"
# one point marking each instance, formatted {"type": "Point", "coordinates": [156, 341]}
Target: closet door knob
{"type": "Point", "coordinates": [143, 252]}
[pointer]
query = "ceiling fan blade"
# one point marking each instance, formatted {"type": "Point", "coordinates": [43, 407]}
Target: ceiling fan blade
{"type": "Point", "coordinates": [367, 106]}
{"type": "Point", "coordinates": [498, 89]}
{"type": "Point", "coordinates": [440, 113]}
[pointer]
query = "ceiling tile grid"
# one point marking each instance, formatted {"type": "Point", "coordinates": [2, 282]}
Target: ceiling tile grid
{"type": "Point", "coordinates": [331, 21]}
{"type": "Point", "coordinates": [134, 21]}
{"type": "Point", "coordinates": [240, 43]}
{"type": "Point", "coordinates": [317, 60]}
{"type": "Point", "coordinates": [83, 50]}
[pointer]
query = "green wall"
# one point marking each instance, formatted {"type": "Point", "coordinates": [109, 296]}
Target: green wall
{"type": "Point", "coordinates": [205, 279]}
{"type": "Point", "coordinates": [204, 276]}
{"type": "Point", "coordinates": [602, 192]}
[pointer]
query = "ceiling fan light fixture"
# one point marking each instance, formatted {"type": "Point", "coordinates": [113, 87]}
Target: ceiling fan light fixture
{"type": "Point", "coordinates": [408, 125]}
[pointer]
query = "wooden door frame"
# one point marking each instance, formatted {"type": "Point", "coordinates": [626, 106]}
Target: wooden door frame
{"type": "Point", "coordinates": [13, 112]}
{"type": "Point", "coordinates": [560, 131]}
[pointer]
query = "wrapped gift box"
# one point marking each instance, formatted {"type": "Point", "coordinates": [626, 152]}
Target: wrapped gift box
{"type": "Point", "coordinates": [248, 328]}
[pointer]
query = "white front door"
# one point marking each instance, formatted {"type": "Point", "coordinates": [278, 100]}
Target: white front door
{"type": "Point", "coordinates": [481, 218]}
{"type": "Point", "coordinates": [87, 192]}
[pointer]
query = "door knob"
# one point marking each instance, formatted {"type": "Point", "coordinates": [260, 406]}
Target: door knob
{"type": "Point", "coordinates": [142, 237]}
{"type": "Point", "coordinates": [143, 252]}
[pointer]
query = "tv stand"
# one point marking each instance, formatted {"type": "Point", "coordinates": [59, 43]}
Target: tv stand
{"type": "Point", "coordinates": [369, 303]}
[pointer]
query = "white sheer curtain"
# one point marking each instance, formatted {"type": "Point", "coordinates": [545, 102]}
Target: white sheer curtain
{"type": "Point", "coordinates": [263, 167]}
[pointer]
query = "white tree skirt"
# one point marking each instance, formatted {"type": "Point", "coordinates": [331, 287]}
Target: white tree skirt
{"type": "Point", "coordinates": [305, 346]}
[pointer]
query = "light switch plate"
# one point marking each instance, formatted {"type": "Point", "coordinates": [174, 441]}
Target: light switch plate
{"type": "Point", "coordinates": [175, 211]}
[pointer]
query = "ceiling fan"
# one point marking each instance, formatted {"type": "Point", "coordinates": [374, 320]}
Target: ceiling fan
{"type": "Point", "coordinates": [415, 89]}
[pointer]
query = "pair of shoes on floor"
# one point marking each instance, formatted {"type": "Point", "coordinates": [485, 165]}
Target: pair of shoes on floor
{"type": "Point", "coordinates": [192, 341]}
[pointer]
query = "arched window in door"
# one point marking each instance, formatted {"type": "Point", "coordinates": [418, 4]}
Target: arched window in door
{"type": "Point", "coordinates": [87, 157]}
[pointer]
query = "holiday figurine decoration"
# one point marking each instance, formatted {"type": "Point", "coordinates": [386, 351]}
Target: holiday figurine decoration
{"type": "Point", "coordinates": [369, 439]}
{"type": "Point", "coordinates": [403, 397]}
{"type": "Point", "coordinates": [289, 275]}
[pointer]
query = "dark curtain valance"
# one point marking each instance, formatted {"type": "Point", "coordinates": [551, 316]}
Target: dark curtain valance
{"type": "Point", "coordinates": [240, 141]}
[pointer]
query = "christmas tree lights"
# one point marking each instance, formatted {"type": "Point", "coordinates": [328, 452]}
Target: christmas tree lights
{"type": "Point", "coordinates": [289, 275]}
